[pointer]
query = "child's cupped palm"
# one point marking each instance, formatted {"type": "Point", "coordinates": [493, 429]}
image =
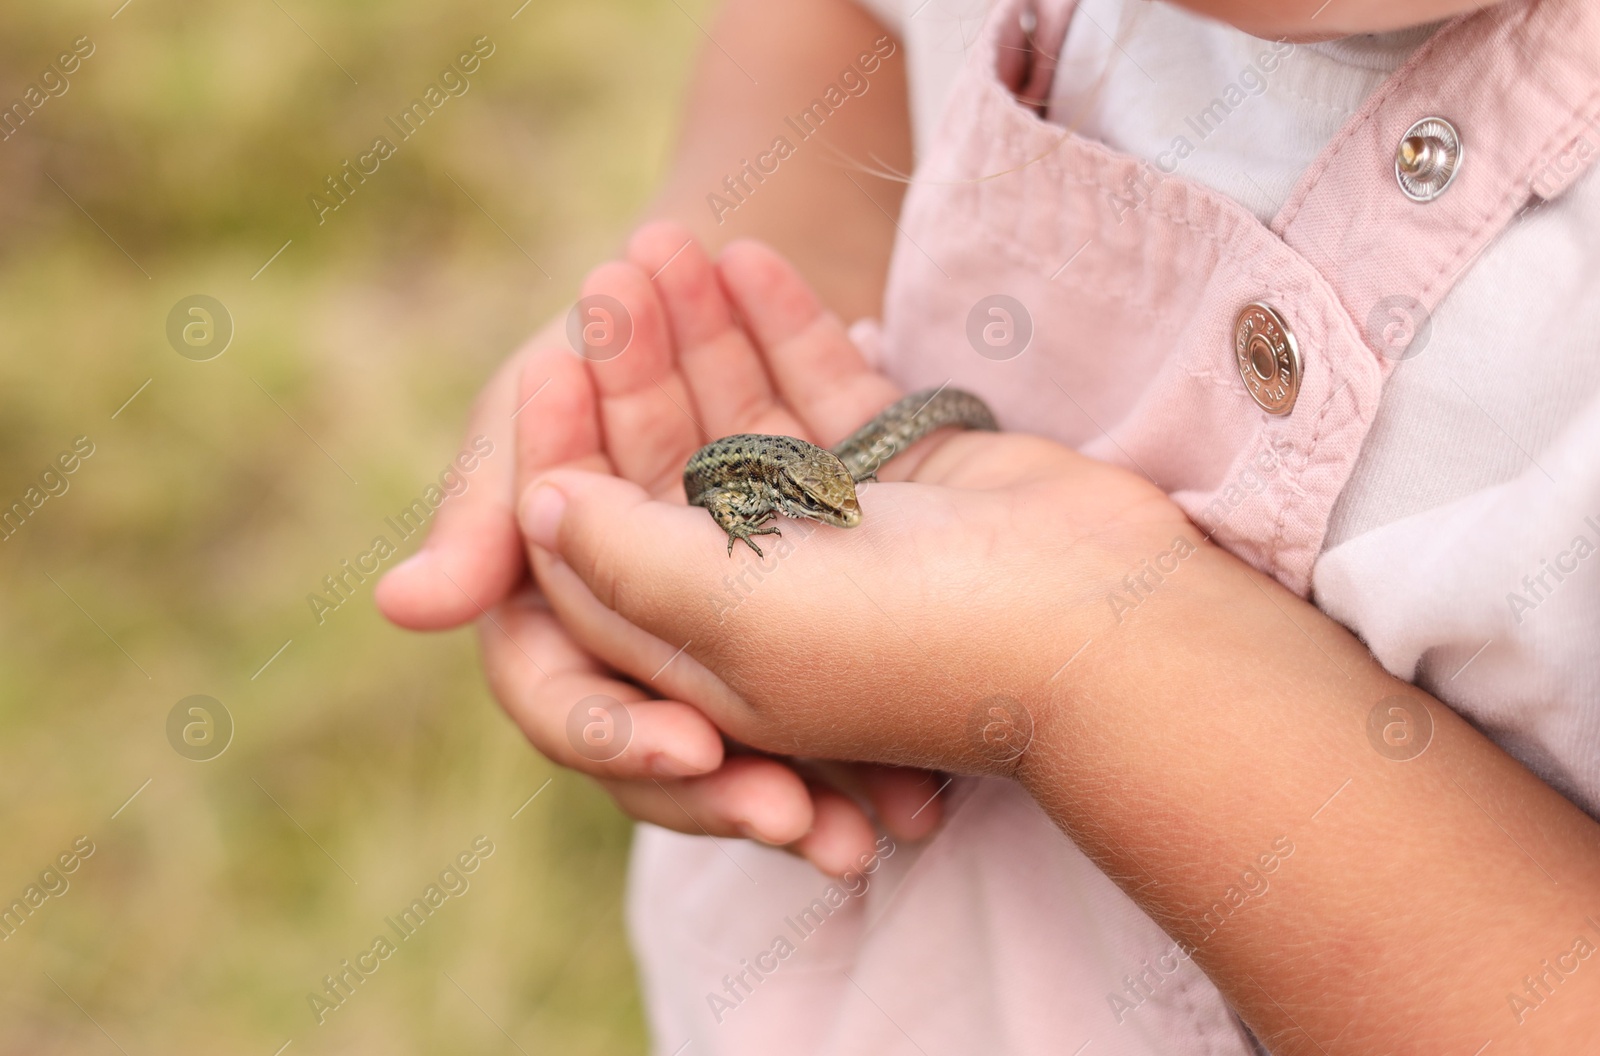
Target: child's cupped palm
{"type": "Point", "coordinates": [743, 345]}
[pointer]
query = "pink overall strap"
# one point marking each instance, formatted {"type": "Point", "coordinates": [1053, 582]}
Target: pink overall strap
{"type": "Point", "coordinates": [1521, 84]}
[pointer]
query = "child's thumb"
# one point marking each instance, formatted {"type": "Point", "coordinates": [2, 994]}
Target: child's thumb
{"type": "Point", "coordinates": [640, 557]}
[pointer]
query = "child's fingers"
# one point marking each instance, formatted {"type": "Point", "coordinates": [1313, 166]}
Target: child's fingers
{"type": "Point", "coordinates": [542, 678]}
{"type": "Point", "coordinates": [748, 796]}
{"type": "Point", "coordinates": [819, 372]}
{"type": "Point", "coordinates": [646, 412]}
{"type": "Point", "coordinates": [584, 720]}
{"type": "Point", "coordinates": [723, 368]}
{"type": "Point", "coordinates": [557, 416]}
{"type": "Point", "coordinates": [841, 836]}
{"type": "Point", "coordinates": [579, 716]}
{"type": "Point", "coordinates": [645, 560]}
{"type": "Point", "coordinates": [909, 803]}
{"type": "Point", "coordinates": [622, 645]}
{"type": "Point", "coordinates": [578, 721]}
{"type": "Point", "coordinates": [473, 555]}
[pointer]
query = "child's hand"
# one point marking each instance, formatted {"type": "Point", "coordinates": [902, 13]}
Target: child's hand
{"type": "Point", "coordinates": [1213, 717]}
{"type": "Point", "coordinates": [886, 642]}
{"type": "Point", "coordinates": [639, 415]}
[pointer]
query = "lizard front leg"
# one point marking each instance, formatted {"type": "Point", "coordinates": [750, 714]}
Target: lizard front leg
{"type": "Point", "coordinates": [740, 514]}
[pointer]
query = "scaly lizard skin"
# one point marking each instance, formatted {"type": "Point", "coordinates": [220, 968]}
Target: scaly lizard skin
{"type": "Point", "coordinates": [744, 481]}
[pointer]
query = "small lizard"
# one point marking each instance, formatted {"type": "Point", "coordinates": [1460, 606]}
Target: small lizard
{"type": "Point", "coordinates": [746, 480]}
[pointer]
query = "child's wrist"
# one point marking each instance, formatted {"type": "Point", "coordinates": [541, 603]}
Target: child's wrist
{"type": "Point", "coordinates": [1167, 633]}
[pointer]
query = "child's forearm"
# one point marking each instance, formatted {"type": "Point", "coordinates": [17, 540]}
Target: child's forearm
{"type": "Point", "coordinates": [764, 66]}
{"type": "Point", "coordinates": [1219, 756]}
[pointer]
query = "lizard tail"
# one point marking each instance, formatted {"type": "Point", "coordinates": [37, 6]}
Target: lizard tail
{"type": "Point", "coordinates": [908, 420]}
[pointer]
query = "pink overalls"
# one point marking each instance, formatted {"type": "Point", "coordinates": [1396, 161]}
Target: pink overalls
{"type": "Point", "coordinates": [1158, 325]}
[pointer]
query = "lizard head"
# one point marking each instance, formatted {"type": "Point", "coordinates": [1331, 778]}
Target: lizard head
{"type": "Point", "coordinates": [817, 485]}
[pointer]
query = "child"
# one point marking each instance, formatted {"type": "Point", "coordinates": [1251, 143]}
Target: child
{"type": "Point", "coordinates": [1368, 375]}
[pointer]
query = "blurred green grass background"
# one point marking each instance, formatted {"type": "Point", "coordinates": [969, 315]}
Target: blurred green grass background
{"type": "Point", "coordinates": [364, 758]}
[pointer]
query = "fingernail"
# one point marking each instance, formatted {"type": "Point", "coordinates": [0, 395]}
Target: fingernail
{"type": "Point", "coordinates": [541, 517]}
{"type": "Point", "coordinates": [749, 832]}
{"type": "Point", "coordinates": [664, 764]}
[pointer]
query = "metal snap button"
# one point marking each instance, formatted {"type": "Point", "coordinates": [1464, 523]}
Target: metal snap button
{"type": "Point", "coordinates": [1428, 159]}
{"type": "Point", "coordinates": [1269, 358]}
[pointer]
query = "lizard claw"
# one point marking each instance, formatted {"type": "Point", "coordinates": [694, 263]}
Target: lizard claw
{"type": "Point", "coordinates": [744, 537]}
